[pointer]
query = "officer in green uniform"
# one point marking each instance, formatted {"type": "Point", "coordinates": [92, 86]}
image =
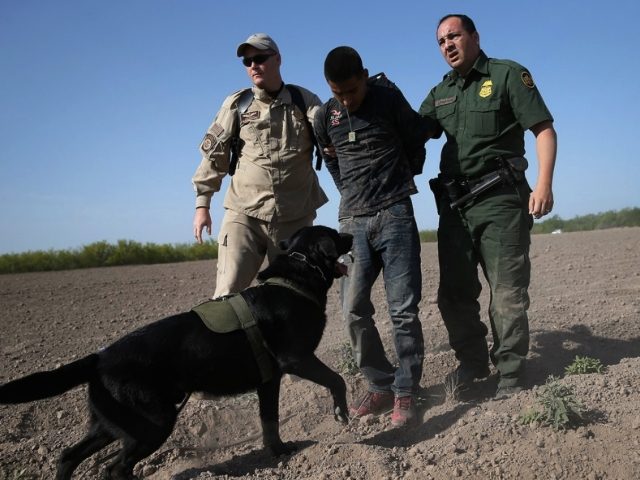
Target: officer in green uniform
{"type": "Point", "coordinates": [484, 106]}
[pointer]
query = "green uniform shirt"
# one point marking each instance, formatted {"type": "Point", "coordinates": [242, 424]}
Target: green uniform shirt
{"type": "Point", "coordinates": [484, 115]}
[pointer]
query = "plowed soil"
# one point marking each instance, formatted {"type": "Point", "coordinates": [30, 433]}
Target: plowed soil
{"type": "Point", "coordinates": [585, 301]}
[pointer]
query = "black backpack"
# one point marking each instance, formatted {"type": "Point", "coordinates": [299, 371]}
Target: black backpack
{"type": "Point", "coordinates": [381, 80]}
{"type": "Point", "coordinates": [246, 97]}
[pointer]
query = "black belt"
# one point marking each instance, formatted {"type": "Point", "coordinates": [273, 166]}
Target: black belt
{"type": "Point", "coordinates": [461, 190]}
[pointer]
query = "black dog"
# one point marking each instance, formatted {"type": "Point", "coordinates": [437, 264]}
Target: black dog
{"type": "Point", "coordinates": [136, 383]}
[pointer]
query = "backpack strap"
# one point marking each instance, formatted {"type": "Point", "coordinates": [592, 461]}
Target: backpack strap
{"type": "Point", "coordinates": [244, 100]}
{"type": "Point", "coordinates": [298, 101]}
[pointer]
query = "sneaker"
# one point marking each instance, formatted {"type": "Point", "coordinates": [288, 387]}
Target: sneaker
{"type": "Point", "coordinates": [404, 411]}
{"type": "Point", "coordinates": [506, 391]}
{"type": "Point", "coordinates": [373, 403]}
{"type": "Point", "coordinates": [462, 377]}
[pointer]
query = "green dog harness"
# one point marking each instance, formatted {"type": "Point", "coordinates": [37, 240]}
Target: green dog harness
{"type": "Point", "coordinates": [232, 313]}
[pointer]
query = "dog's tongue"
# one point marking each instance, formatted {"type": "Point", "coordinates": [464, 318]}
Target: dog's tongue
{"type": "Point", "coordinates": [341, 269]}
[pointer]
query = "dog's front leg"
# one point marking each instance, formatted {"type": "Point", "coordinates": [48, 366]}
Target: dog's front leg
{"type": "Point", "coordinates": [268, 397]}
{"type": "Point", "coordinates": [311, 368]}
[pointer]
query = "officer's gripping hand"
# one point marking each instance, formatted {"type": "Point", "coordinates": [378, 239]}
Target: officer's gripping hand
{"type": "Point", "coordinates": [329, 151]}
{"type": "Point", "coordinates": [540, 201]}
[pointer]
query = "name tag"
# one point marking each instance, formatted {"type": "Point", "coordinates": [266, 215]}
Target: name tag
{"type": "Point", "coordinates": [250, 116]}
{"type": "Point", "coordinates": [445, 101]}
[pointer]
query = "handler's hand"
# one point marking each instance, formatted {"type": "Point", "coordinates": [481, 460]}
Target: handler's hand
{"type": "Point", "coordinates": [201, 219]}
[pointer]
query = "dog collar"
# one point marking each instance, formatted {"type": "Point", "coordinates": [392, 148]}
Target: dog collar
{"type": "Point", "coordinates": [302, 258]}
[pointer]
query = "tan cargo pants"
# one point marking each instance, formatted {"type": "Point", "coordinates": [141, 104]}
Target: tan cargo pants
{"type": "Point", "coordinates": [243, 244]}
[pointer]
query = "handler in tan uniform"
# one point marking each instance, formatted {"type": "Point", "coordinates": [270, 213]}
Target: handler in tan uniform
{"type": "Point", "coordinates": [274, 190]}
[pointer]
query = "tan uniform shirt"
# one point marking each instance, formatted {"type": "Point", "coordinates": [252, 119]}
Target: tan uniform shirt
{"type": "Point", "coordinates": [274, 178]}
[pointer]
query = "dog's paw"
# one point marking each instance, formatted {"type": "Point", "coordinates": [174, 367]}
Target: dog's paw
{"type": "Point", "coordinates": [282, 448]}
{"type": "Point", "coordinates": [341, 415]}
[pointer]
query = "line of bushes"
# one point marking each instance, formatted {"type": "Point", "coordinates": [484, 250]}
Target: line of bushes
{"type": "Point", "coordinates": [128, 252]}
{"type": "Point", "coordinates": [104, 254]}
{"type": "Point", "coordinates": [627, 217]}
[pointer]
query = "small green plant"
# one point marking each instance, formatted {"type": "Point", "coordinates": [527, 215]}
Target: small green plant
{"type": "Point", "coordinates": [560, 408]}
{"type": "Point", "coordinates": [581, 365]}
{"type": "Point", "coordinates": [346, 363]}
{"type": "Point", "coordinates": [530, 416]}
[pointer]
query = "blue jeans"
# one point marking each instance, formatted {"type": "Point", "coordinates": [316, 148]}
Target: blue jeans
{"type": "Point", "coordinates": [387, 241]}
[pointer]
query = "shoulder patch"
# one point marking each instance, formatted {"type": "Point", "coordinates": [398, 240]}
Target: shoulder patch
{"type": "Point", "coordinates": [207, 142]}
{"type": "Point", "coordinates": [217, 129]}
{"type": "Point", "coordinates": [445, 101]}
{"type": "Point", "coordinates": [527, 80]}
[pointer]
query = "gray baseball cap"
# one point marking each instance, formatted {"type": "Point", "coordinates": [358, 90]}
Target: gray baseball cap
{"type": "Point", "coordinates": [261, 41]}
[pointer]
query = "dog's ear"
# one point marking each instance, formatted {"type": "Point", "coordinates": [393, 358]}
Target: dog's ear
{"type": "Point", "coordinates": [293, 240]}
{"type": "Point", "coordinates": [328, 248]}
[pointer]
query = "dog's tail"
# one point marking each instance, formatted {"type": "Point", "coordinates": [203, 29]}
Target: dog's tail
{"type": "Point", "coordinates": [51, 383]}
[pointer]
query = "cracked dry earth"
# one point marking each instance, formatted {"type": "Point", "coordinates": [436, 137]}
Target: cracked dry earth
{"type": "Point", "coordinates": [585, 301]}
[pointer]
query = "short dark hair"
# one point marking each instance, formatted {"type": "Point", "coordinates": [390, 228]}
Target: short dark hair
{"type": "Point", "coordinates": [467, 23]}
{"type": "Point", "coordinates": [342, 63]}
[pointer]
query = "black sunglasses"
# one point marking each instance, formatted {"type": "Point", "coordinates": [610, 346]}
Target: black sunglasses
{"type": "Point", "coordinates": [257, 59]}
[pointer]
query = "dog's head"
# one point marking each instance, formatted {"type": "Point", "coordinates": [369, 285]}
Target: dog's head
{"type": "Point", "coordinates": [321, 247]}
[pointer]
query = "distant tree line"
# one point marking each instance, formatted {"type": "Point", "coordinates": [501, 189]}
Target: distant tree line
{"type": "Point", "coordinates": [104, 254]}
{"type": "Point", "coordinates": [627, 217]}
{"type": "Point", "coordinates": [128, 252]}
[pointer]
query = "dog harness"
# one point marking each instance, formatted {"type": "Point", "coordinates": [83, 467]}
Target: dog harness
{"type": "Point", "coordinates": [231, 313]}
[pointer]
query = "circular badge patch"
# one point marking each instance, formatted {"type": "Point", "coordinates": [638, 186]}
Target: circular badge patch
{"type": "Point", "coordinates": [527, 80]}
{"type": "Point", "coordinates": [207, 143]}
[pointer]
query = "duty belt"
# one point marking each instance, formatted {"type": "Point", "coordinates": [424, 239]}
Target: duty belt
{"type": "Point", "coordinates": [461, 190]}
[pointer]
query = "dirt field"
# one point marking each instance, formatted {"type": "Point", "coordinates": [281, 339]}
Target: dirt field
{"type": "Point", "coordinates": [585, 300]}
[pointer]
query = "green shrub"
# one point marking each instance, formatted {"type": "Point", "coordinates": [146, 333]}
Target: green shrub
{"type": "Point", "coordinates": [428, 236]}
{"type": "Point", "coordinates": [627, 217]}
{"type": "Point", "coordinates": [128, 252]}
{"type": "Point", "coordinates": [559, 407]}
{"type": "Point", "coordinates": [346, 363]}
{"type": "Point", "coordinates": [582, 365]}
{"type": "Point", "coordinates": [530, 416]}
{"type": "Point", "coordinates": [104, 254]}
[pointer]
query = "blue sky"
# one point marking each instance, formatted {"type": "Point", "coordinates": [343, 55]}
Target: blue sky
{"type": "Point", "coordinates": [103, 103]}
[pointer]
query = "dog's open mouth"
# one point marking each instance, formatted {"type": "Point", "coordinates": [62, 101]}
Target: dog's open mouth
{"type": "Point", "coordinates": [340, 269]}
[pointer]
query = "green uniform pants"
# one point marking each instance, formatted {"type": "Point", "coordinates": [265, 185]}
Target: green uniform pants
{"type": "Point", "coordinates": [492, 231]}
